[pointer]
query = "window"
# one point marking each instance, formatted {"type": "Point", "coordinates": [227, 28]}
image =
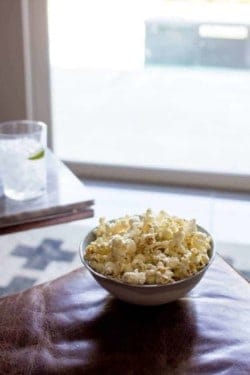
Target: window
{"type": "Point", "coordinates": [150, 90]}
{"type": "Point", "coordinates": [159, 84]}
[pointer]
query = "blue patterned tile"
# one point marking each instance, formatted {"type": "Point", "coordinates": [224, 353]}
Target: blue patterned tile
{"type": "Point", "coordinates": [17, 284]}
{"type": "Point", "coordinates": [39, 257]}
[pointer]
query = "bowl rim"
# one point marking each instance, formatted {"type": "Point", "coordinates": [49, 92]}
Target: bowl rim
{"type": "Point", "coordinates": [147, 286]}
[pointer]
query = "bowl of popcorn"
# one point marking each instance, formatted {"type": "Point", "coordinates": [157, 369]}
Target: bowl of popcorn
{"type": "Point", "coordinates": [147, 259]}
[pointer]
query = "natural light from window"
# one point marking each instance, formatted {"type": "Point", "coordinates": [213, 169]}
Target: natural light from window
{"type": "Point", "coordinates": [153, 83]}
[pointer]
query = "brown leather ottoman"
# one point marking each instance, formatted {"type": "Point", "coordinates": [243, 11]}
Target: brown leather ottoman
{"type": "Point", "coordinates": [73, 326]}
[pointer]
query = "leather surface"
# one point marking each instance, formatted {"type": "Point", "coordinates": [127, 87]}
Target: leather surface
{"type": "Point", "coordinates": [73, 326]}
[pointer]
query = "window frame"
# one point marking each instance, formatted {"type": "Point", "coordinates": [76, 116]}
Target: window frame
{"type": "Point", "coordinates": [171, 177]}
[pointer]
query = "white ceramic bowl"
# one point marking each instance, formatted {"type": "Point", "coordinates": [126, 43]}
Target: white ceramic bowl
{"type": "Point", "coordinates": [146, 294]}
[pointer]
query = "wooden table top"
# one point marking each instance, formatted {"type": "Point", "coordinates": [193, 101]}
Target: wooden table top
{"type": "Point", "coordinates": [66, 199]}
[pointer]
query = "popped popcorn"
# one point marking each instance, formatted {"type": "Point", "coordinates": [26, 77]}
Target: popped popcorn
{"type": "Point", "coordinates": [148, 249]}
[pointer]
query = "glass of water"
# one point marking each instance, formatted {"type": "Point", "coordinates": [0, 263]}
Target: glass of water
{"type": "Point", "coordinates": [22, 158]}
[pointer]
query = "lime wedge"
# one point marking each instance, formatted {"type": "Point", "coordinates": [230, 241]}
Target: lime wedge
{"type": "Point", "coordinates": [38, 155]}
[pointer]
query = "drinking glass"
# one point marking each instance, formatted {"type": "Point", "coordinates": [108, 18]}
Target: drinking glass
{"type": "Point", "coordinates": [22, 158]}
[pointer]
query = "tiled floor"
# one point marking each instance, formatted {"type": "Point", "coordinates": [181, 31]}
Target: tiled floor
{"type": "Point", "coordinates": [39, 255]}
